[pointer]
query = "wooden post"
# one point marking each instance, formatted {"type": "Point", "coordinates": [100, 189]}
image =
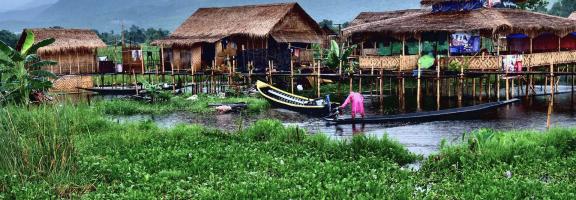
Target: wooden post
{"type": "Point", "coordinates": [319, 78]}
{"type": "Point", "coordinates": [270, 72]}
{"type": "Point", "coordinates": [163, 62]}
{"type": "Point", "coordinates": [142, 61]}
{"type": "Point", "coordinates": [173, 78]}
{"type": "Point", "coordinates": [292, 76]}
{"type": "Point", "coordinates": [420, 46]}
{"type": "Point", "coordinates": [360, 82]}
{"type": "Point", "coordinates": [437, 83]}
{"type": "Point", "coordinates": [474, 88]}
{"type": "Point", "coordinates": [135, 81]}
{"type": "Point", "coordinates": [460, 85]}
{"type": "Point", "coordinates": [419, 89]}
{"type": "Point", "coordinates": [381, 83]}
{"type": "Point", "coordinates": [507, 84]}
{"type": "Point", "coordinates": [192, 68]}
{"type": "Point", "coordinates": [551, 103]}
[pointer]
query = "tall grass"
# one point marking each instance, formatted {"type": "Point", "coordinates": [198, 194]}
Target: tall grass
{"type": "Point", "coordinates": [178, 103]}
{"type": "Point", "coordinates": [40, 140]}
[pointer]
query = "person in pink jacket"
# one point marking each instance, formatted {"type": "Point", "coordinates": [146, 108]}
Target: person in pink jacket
{"type": "Point", "coordinates": [356, 100]}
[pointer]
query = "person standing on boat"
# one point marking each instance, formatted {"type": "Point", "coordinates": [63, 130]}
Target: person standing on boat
{"type": "Point", "coordinates": [356, 101]}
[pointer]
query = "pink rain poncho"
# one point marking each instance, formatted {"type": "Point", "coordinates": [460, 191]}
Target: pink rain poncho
{"type": "Point", "coordinates": [357, 102]}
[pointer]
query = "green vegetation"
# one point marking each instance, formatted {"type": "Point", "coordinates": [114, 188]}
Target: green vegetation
{"type": "Point", "coordinates": [22, 72]}
{"type": "Point", "coordinates": [505, 165]}
{"type": "Point", "coordinates": [9, 38]}
{"type": "Point", "coordinates": [66, 151]}
{"type": "Point", "coordinates": [97, 159]}
{"type": "Point", "coordinates": [177, 103]}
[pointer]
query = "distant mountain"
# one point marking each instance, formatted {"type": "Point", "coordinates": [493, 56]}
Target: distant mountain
{"type": "Point", "coordinates": [105, 15]}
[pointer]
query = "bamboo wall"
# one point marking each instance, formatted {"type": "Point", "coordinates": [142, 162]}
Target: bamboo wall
{"type": "Point", "coordinates": [477, 63]}
{"type": "Point", "coordinates": [71, 63]}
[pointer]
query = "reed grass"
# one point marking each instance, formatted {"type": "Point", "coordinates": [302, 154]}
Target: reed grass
{"type": "Point", "coordinates": [178, 103]}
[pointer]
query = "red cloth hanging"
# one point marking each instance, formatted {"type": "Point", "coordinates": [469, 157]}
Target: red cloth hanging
{"type": "Point", "coordinates": [568, 43]}
{"type": "Point", "coordinates": [545, 43]}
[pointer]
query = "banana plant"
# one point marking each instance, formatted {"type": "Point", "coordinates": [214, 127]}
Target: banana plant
{"type": "Point", "coordinates": [21, 73]}
{"type": "Point", "coordinates": [335, 55]}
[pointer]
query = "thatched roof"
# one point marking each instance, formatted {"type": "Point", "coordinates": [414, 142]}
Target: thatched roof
{"type": "Point", "coordinates": [572, 16]}
{"type": "Point", "coordinates": [212, 24]}
{"type": "Point", "coordinates": [367, 17]}
{"type": "Point", "coordinates": [432, 2]}
{"type": "Point", "coordinates": [66, 39]}
{"type": "Point", "coordinates": [487, 21]}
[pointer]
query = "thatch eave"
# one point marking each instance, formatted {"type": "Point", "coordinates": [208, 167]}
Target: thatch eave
{"type": "Point", "coordinates": [67, 40]}
{"type": "Point", "coordinates": [495, 21]}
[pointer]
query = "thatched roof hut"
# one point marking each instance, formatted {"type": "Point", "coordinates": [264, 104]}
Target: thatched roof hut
{"type": "Point", "coordinates": [284, 22]}
{"type": "Point", "coordinates": [66, 40]}
{"type": "Point", "coordinates": [488, 21]}
{"type": "Point", "coordinates": [74, 49]}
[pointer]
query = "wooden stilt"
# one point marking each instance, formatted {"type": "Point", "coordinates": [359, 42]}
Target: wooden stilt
{"type": "Point", "coordinates": [173, 78]}
{"type": "Point", "coordinates": [292, 76]}
{"type": "Point", "coordinates": [142, 62]}
{"type": "Point", "coordinates": [319, 78]}
{"type": "Point", "coordinates": [419, 89]}
{"type": "Point", "coordinates": [381, 86]}
{"type": "Point", "coordinates": [438, 83]}
{"type": "Point", "coordinates": [460, 85]}
{"type": "Point", "coordinates": [360, 82]}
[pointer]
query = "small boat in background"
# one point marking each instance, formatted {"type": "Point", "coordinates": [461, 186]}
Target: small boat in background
{"type": "Point", "coordinates": [113, 90]}
{"type": "Point", "coordinates": [283, 99]}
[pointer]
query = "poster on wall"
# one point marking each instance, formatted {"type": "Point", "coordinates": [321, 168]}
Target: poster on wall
{"type": "Point", "coordinates": [463, 43]}
{"type": "Point", "coordinates": [512, 63]}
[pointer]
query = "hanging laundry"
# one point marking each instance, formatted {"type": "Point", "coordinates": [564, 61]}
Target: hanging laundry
{"type": "Point", "coordinates": [297, 53]}
{"type": "Point", "coordinates": [136, 55]}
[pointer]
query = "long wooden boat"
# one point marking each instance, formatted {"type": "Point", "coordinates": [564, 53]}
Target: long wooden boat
{"type": "Point", "coordinates": [113, 90]}
{"type": "Point", "coordinates": [108, 90]}
{"type": "Point", "coordinates": [283, 99]}
{"type": "Point", "coordinates": [423, 116]}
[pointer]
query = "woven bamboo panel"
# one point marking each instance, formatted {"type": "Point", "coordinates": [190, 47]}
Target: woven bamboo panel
{"type": "Point", "coordinates": [544, 59]}
{"type": "Point", "coordinates": [478, 63]}
{"type": "Point", "coordinates": [379, 62]}
{"type": "Point", "coordinates": [71, 83]}
{"type": "Point", "coordinates": [408, 63]}
{"type": "Point", "coordinates": [197, 58]}
{"type": "Point", "coordinates": [306, 55]}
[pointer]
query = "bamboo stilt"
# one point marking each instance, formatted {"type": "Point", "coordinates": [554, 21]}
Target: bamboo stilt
{"type": "Point", "coordinates": [419, 89]}
{"type": "Point", "coordinates": [292, 76]}
{"type": "Point", "coordinates": [319, 78]}
{"type": "Point", "coordinates": [360, 83]}
{"type": "Point", "coordinates": [438, 84]}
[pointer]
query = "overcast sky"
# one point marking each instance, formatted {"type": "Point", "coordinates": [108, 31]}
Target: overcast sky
{"type": "Point", "coordinates": [20, 4]}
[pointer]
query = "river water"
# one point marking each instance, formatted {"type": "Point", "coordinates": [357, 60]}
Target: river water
{"type": "Point", "coordinates": [419, 137]}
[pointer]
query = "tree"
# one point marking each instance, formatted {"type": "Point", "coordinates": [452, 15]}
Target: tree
{"type": "Point", "coordinates": [134, 35]}
{"type": "Point", "coordinates": [563, 8]}
{"type": "Point", "coordinates": [21, 71]}
{"type": "Point", "coordinates": [534, 5]}
{"type": "Point", "coordinates": [9, 38]}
